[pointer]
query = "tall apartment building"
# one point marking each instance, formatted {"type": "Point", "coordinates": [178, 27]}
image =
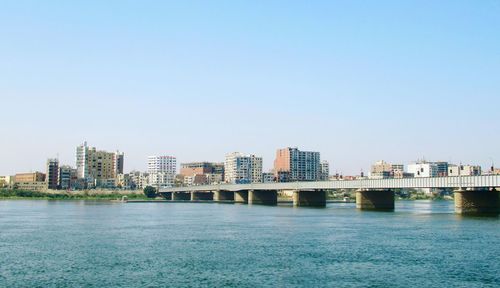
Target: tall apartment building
{"type": "Point", "coordinates": [97, 166]}
{"type": "Point", "coordinates": [118, 162]}
{"type": "Point", "coordinates": [67, 177]}
{"type": "Point", "coordinates": [291, 164]}
{"type": "Point", "coordinates": [52, 175]}
{"type": "Point", "coordinates": [325, 171]}
{"type": "Point", "coordinates": [162, 170]}
{"type": "Point", "coordinates": [241, 168]}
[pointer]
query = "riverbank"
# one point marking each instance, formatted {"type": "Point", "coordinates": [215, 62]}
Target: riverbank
{"type": "Point", "coordinates": [70, 195]}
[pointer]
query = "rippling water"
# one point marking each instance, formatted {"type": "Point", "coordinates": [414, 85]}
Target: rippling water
{"type": "Point", "coordinates": [103, 244]}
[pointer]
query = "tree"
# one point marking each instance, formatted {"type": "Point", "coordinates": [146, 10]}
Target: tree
{"type": "Point", "coordinates": [150, 191]}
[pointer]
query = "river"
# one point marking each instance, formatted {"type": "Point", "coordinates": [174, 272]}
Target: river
{"type": "Point", "coordinates": [105, 244]}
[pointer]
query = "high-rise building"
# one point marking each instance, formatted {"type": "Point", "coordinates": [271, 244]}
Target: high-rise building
{"type": "Point", "coordinates": [299, 165]}
{"type": "Point", "coordinates": [98, 166]}
{"type": "Point", "coordinates": [241, 168]}
{"type": "Point", "coordinates": [52, 175]}
{"type": "Point", "coordinates": [325, 171]}
{"type": "Point", "coordinates": [66, 176]}
{"type": "Point", "coordinates": [162, 170]}
{"type": "Point", "coordinates": [118, 162]}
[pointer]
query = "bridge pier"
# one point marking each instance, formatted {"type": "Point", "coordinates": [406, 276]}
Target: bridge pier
{"type": "Point", "coordinates": [377, 200]}
{"type": "Point", "coordinates": [241, 196]}
{"type": "Point", "coordinates": [263, 197]}
{"type": "Point", "coordinates": [184, 196]}
{"type": "Point", "coordinates": [477, 202]}
{"type": "Point", "coordinates": [315, 198]}
{"type": "Point", "coordinates": [202, 195]}
{"type": "Point", "coordinates": [167, 195]}
{"type": "Point", "coordinates": [224, 196]}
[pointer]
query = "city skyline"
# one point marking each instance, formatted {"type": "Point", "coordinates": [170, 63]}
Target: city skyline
{"type": "Point", "coordinates": [359, 82]}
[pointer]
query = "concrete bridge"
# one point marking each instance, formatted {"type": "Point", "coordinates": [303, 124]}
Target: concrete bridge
{"type": "Point", "coordinates": [473, 194]}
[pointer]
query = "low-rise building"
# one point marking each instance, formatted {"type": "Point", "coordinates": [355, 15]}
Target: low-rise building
{"type": "Point", "coordinates": [464, 170]}
{"type": "Point", "coordinates": [268, 177]}
{"type": "Point", "coordinates": [34, 181]}
{"type": "Point", "coordinates": [6, 181]}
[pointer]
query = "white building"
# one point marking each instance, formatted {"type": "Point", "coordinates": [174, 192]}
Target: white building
{"type": "Point", "coordinates": [464, 170]}
{"type": "Point", "coordinates": [162, 170]}
{"type": "Point", "coordinates": [241, 168]}
{"type": "Point", "coordinates": [424, 169]}
{"type": "Point", "coordinates": [325, 170]}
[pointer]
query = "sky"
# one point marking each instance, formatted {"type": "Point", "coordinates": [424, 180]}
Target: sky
{"type": "Point", "coordinates": [359, 81]}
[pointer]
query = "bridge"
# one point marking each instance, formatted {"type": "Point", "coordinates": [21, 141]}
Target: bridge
{"type": "Point", "coordinates": [473, 194]}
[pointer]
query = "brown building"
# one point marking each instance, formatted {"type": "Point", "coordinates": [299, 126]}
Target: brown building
{"type": "Point", "coordinates": [29, 177]}
{"type": "Point", "coordinates": [202, 172]}
{"type": "Point", "coordinates": [292, 164]}
{"type": "Point", "coordinates": [195, 168]}
{"type": "Point", "coordinates": [30, 181]}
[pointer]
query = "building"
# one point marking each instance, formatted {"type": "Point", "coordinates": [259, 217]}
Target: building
{"type": "Point", "coordinates": [189, 169]}
{"type": "Point", "coordinates": [442, 168]}
{"type": "Point", "coordinates": [98, 167]}
{"type": "Point", "coordinates": [138, 180]}
{"type": "Point", "coordinates": [464, 170]}
{"type": "Point", "coordinates": [52, 177]}
{"type": "Point", "coordinates": [325, 170]}
{"type": "Point", "coordinates": [7, 181]}
{"type": "Point", "coordinates": [30, 181]}
{"type": "Point", "coordinates": [118, 163]}
{"type": "Point", "coordinates": [124, 181]}
{"type": "Point", "coordinates": [241, 168]}
{"type": "Point", "coordinates": [428, 169]}
{"type": "Point", "coordinates": [162, 170]}
{"type": "Point", "coordinates": [268, 177]}
{"type": "Point", "coordinates": [423, 169]}
{"type": "Point", "coordinates": [299, 165]}
{"type": "Point", "coordinates": [384, 170]}
{"type": "Point", "coordinates": [202, 173]}
{"type": "Point", "coordinates": [67, 178]}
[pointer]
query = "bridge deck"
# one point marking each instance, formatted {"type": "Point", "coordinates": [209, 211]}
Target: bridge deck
{"type": "Point", "coordinates": [486, 181]}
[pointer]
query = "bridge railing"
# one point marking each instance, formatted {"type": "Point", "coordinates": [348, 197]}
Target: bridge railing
{"type": "Point", "coordinates": [424, 182]}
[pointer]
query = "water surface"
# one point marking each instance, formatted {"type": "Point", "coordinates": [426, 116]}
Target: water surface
{"type": "Point", "coordinates": [104, 244]}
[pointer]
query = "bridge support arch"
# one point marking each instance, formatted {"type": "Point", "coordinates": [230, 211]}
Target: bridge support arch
{"type": "Point", "coordinates": [477, 201]}
{"type": "Point", "coordinates": [377, 200]}
{"type": "Point", "coordinates": [263, 197]}
{"type": "Point", "coordinates": [316, 198]}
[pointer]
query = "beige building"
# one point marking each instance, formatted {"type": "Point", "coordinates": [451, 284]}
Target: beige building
{"type": "Point", "coordinates": [30, 181]}
{"type": "Point", "coordinates": [96, 165]}
{"type": "Point", "coordinates": [241, 168]}
{"type": "Point", "coordinates": [6, 181]}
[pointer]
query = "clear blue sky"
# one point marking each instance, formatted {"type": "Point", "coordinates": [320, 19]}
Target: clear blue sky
{"type": "Point", "coordinates": [358, 81]}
